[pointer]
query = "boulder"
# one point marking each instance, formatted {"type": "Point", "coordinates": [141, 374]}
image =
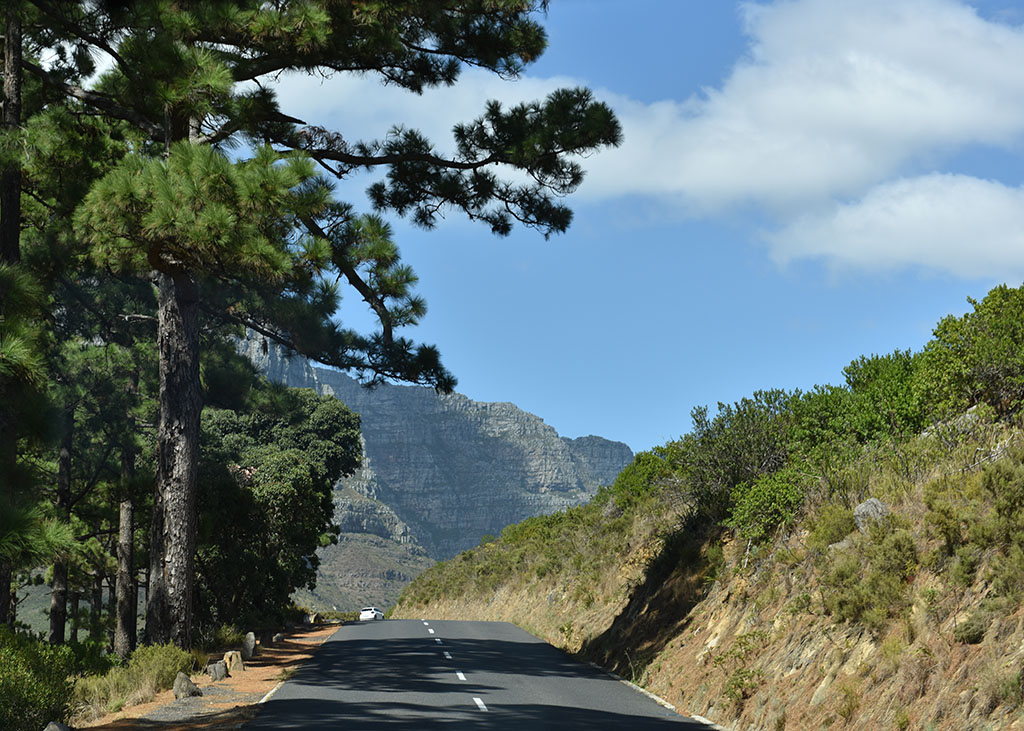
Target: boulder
{"type": "Point", "coordinates": [184, 687]}
{"type": "Point", "coordinates": [218, 670]}
{"type": "Point", "coordinates": [233, 661]}
{"type": "Point", "coordinates": [313, 618]}
{"type": "Point", "coordinates": [868, 512]}
{"type": "Point", "coordinates": [278, 638]}
{"type": "Point", "coordinates": [57, 726]}
{"type": "Point", "coordinates": [249, 646]}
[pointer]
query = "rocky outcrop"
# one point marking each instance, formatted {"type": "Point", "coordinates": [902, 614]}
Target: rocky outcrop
{"type": "Point", "coordinates": [441, 471]}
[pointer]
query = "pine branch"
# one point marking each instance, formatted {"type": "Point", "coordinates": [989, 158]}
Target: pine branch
{"type": "Point", "coordinates": [76, 29]}
{"type": "Point", "coordinates": [369, 296]}
{"type": "Point", "coordinates": [332, 147]}
{"type": "Point", "coordinates": [102, 102]}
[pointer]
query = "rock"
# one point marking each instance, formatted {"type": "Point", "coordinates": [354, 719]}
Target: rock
{"type": "Point", "coordinates": [218, 670]}
{"type": "Point", "coordinates": [278, 638]}
{"type": "Point", "coordinates": [233, 661]}
{"type": "Point", "coordinates": [184, 687]}
{"type": "Point", "coordinates": [870, 511]}
{"type": "Point", "coordinates": [249, 646]}
{"type": "Point", "coordinates": [57, 726]}
{"type": "Point", "coordinates": [312, 618]}
{"type": "Point", "coordinates": [841, 545]}
{"type": "Point", "coordinates": [446, 469]}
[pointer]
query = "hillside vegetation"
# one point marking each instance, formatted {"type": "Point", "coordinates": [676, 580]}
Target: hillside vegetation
{"type": "Point", "coordinates": [726, 572]}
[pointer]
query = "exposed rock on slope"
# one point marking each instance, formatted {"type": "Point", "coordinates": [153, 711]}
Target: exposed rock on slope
{"type": "Point", "coordinates": [441, 471]}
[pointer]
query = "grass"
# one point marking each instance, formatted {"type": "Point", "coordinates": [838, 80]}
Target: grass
{"type": "Point", "coordinates": [150, 669]}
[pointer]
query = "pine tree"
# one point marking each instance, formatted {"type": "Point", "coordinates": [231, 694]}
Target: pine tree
{"type": "Point", "coordinates": [183, 76]}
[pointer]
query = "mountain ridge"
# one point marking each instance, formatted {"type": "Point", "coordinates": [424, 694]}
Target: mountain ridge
{"type": "Point", "coordinates": [440, 471]}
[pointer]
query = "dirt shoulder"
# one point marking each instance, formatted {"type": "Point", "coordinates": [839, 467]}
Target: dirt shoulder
{"type": "Point", "coordinates": [229, 703]}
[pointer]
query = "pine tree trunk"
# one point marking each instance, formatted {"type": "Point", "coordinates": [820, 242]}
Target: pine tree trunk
{"type": "Point", "coordinates": [124, 632]}
{"type": "Point", "coordinates": [172, 573]}
{"type": "Point", "coordinates": [96, 609]}
{"type": "Point", "coordinates": [156, 630]}
{"type": "Point", "coordinates": [6, 595]}
{"type": "Point", "coordinates": [76, 598]}
{"type": "Point", "coordinates": [10, 252]}
{"type": "Point", "coordinates": [10, 174]}
{"type": "Point", "coordinates": [59, 585]}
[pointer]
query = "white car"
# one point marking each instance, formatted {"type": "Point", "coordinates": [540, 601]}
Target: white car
{"type": "Point", "coordinates": [369, 614]}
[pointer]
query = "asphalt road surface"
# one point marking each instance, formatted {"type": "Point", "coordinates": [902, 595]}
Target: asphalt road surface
{"type": "Point", "coordinates": [400, 675]}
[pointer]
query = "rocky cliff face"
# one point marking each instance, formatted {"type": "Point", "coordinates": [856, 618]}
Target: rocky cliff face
{"type": "Point", "coordinates": [440, 472]}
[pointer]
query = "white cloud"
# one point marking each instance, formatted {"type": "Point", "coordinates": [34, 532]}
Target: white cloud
{"type": "Point", "coordinates": [833, 98]}
{"type": "Point", "coordinates": [361, 108]}
{"type": "Point", "coordinates": [951, 223]}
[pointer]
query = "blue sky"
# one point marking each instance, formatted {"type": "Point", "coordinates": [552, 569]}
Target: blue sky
{"type": "Point", "coordinates": [801, 183]}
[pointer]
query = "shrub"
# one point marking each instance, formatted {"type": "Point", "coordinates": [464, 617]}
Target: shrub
{"type": "Point", "coordinates": [868, 584]}
{"type": "Point", "coordinates": [159, 664]}
{"type": "Point", "coordinates": [965, 565]}
{"type": "Point", "coordinates": [972, 630]}
{"type": "Point", "coordinates": [849, 701]}
{"type": "Point", "coordinates": [152, 668]}
{"type": "Point", "coordinates": [222, 637]}
{"type": "Point", "coordinates": [832, 524]}
{"type": "Point", "coordinates": [978, 357]}
{"type": "Point", "coordinates": [770, 502]}
{"type": "Point", "coordinates": [885, 402]}
{"type": "Point", "coordinates": [34, 682]}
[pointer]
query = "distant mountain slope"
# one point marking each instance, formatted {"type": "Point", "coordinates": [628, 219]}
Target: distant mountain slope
{"type": "Point", "coordinates": [443, 471]}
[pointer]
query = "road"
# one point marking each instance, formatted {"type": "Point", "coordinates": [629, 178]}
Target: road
{"type": "Point", "coordinates": [400, 675]}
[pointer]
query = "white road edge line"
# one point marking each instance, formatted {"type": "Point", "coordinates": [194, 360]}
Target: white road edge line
{"type": "Point", "coordinates": [634, 686]}
{"type": "Point", "coordinates": [480, 704]}
{"type": "Point", "coordinates": [707, 722]}
{"type": "Point", "coordinates": [459, 675]}
{"type": "Point", "coordinates": [273, 690]}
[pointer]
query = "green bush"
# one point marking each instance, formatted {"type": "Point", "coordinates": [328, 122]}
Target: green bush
{"type": "Point", "coordinates": [972, 630]}
{"type": "Point", "coordinates": [832, 523]}
{"type": "Point", "coordinates": [221, 637]}
{"type": "Point", "coordinates": [868, 583]}
{"type": "Point", "coordinates": [770, 502]}
{"type": "Point", "coordinates": [35, 685]}
{"type": "Point", "coordinates": [159, 664]}
{"type": "Point", "coordinates": [978, 358]}
{"type": "Point", "coordinates": [150, 669]}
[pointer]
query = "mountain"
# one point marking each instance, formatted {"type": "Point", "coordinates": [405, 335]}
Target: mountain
{"type": "Point", "coordinates": [439, 473]}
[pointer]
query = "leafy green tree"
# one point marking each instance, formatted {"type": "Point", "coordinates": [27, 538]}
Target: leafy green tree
{"type": "Point", "coordinates": [979, 357]}
{"type": "Point", "coordinates": [767, 504]}
{"type": "Point", "coordinates": [24, 427]}
{"type": "Point", "coordinates": [885, 403]}
{"type": "Point", "coordinates": [267, 501]}
{"type": "Point", "coordinates": [823, 441]}
{"type": "Point", "coordinates": [742, 442]}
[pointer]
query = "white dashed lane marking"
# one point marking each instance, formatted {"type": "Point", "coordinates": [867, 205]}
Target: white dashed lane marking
{"type": "Point", "coordinates": [430, 631]}
{"type": "Point", "coordinates": [447, 656]}
{"type": "Point", "coordinates": [437, 640]}
{"type": "Point", "coordinates": [459, 675]}
{"type": "Point", "coordinates": [480, 704]}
